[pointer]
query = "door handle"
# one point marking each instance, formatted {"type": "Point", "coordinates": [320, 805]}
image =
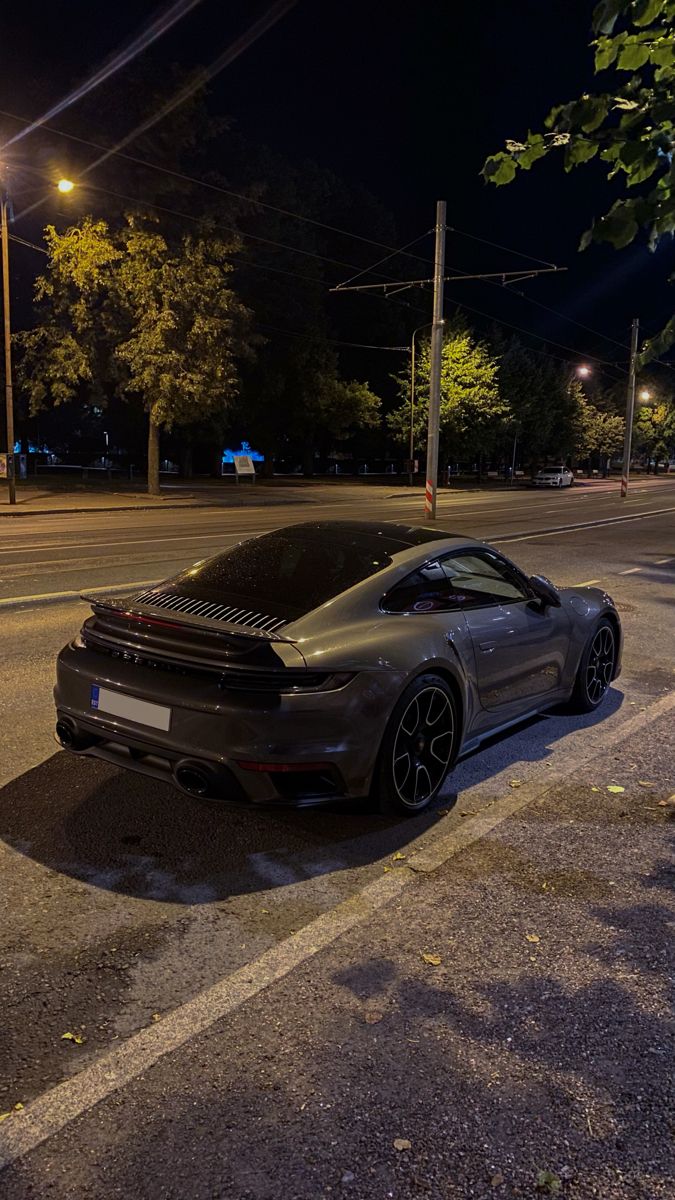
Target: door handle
{"type": "Point", "coordinates": [487, 647]}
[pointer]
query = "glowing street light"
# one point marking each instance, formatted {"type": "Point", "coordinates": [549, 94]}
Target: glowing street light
{"type": "Point", "coordinates": [65, 185]}
{"type": "Point", "coordinates": [583, 371]}
{"type": "Point", "coordinates": [645, 395]}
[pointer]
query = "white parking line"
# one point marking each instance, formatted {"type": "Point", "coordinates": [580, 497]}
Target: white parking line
{"type": "Point", "coordinates": [660, 561]}
{"type": "Point", "coordinates": [586, 583]}
{"type": "Point", "coordinates": [55, 1109]}
{"type": "Point", "coordinates": [630, 571]}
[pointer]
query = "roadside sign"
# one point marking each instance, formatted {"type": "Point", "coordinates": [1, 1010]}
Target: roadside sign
{"type": "Point", "coordinates": [244, 467]}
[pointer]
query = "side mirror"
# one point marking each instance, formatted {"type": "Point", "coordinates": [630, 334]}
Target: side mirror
{"type": "Point", "coordinates": [544, 590]}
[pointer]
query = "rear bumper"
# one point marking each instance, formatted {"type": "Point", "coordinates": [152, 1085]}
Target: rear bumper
{"type": "Point", "coordinates": [325, 743]}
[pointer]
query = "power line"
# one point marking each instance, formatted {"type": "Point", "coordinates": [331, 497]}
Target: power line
{"type": "Point", "coordinates": [217, 188]}
{"type": "Point", "coordinates": [332, 341]}
{"type": "Point", "coordinates": [496, 246]}
{"type": "Point", "coordinates": [547, 341]}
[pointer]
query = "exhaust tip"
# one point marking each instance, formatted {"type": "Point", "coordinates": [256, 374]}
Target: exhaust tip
{"type": "Point", "coordinates": [194, 778]}
{"type": "Point", "coordinates": [71, 737]}
{"type": "Point", "coordinates": [65, 732]}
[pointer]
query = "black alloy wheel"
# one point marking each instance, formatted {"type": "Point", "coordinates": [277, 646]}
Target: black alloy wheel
{"type": "Point", "coordinates": [418, 746]}
{"type": "Point", "coordinates": [596, 669]}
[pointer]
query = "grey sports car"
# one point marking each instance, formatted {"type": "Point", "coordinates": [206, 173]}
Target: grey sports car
{"type": "Point", "coordinates": [329, 659]}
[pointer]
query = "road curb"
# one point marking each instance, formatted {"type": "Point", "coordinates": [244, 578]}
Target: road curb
{"type": "Point", "coordinates": [266, 502]}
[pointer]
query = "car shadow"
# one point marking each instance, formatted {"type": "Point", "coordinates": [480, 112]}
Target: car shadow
{"type": "Point", "coordinates": [137, 836]}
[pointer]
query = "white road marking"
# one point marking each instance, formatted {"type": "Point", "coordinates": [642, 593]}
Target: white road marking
{"type": "Point", "coordinates": [586, 583]}
{"type": "Point", "coordinates": [660, 561]}
{"type": "Point", "coordinates": [630, 571]}
{"type": "Point", "coordinates": [48, 1114]}
{"type": "Point", "coordinates": [526, 537]}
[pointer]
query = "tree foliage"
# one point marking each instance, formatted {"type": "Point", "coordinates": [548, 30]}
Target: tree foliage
{"type": "Point", "coordinates": [628, 125]}
{"type": "Point", "coordinates": [598, 431]}
{"type": "Point", "coordinates": [121, 312]}
{"type": "Point", "coordinates": [472, 411]}
{"type": "Point", "coordinates": [537, 390]}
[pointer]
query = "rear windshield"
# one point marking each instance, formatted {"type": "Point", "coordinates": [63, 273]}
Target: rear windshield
{"type": "Point", "coordinates": [286, 574]}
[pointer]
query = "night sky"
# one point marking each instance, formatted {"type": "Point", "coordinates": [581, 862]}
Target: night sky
{"type": "Point", "coordinates": [407, 100]}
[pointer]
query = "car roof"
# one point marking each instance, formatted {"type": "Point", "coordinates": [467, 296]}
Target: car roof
{"type": "Point", "coordinates": [394, 537]}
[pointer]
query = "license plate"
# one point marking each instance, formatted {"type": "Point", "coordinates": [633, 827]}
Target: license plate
{"type": "Point", "coordinates": [130, 707]}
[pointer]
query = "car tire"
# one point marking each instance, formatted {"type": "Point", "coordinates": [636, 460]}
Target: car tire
{"type": "Point", "coordinates": [596, 668]}
{"type": "Point", "coordinates": [418, 747]}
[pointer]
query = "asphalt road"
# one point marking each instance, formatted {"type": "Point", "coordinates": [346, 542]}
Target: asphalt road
{"type": "Point", "coordinates": [124, 901]}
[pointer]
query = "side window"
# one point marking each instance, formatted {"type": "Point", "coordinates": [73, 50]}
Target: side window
{"type": "Point", "coordinates": [480, 577]}
{"type": "Point", "coordinates": [429, 589]}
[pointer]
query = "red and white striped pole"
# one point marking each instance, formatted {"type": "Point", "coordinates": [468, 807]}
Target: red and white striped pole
{"type": "Point", "coordinates": [630, 409]}
{"type": "Point", "coordinates": [435, 367]}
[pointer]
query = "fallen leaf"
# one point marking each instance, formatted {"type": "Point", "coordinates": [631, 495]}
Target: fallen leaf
{"type": "Point", "coordinates": [4, 1116]}
{"type": "Point", "coordinates": [515, 783]}
{"type": "Point", "coordinates": [532, 937]}
{"type": "Point", "coordinates": [615, 787]}
{"type": "Point", "coordinates": [497, 1179]}
{"type": "Point", "coordinates": [156, 1016]}
{"type": "Point", "coordinates": [443, 812]}
{"type": "Point", "coordinates": [594, 789]}
{"type": "Point", "coordinates": [434, 960]}
{"type": "Point", "coordinates": [548, 1182]}
{"type": "Point", "coordinates": [402, 1144]}
{"type": "Point", "coordinates": [18, 1106]}
{"type": "Point", "coordinates": [646, 783]}
{"type": "Point", "coordinates": [397, 856]}
{"type": "Point", "coordinates": [387, 868]}
{"type": "Point", "coordinates": [373, 1016]}
{"type": "Point", "coordinates": [266, 911]}
{"type": "Point", "coordinates": [73, 1037]}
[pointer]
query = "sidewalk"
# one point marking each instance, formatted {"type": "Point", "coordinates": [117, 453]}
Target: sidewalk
{"type": "Point", "coordinates": [528, 1055]}
{"type": "Point", "coordinates": [38, 501]}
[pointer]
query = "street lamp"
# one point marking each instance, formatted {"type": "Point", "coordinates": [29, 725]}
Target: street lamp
{"type": "Point", "coordinates": [583, 371]}
{"type": "Point", "coordinates": [7, 333]}
{"type": "Point", "coordinates": [411, 446]}
{"type": "Point", "coordinates": [645, 395]}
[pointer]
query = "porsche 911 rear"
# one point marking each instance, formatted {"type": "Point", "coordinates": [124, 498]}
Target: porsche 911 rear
{"type": "Point", "coordinates": [222, 716]}
{"type": "Point", "coordinates": [196, 684]}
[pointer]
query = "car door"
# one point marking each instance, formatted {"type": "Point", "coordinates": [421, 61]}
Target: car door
{"type": "Point", "coordinates": [520, 645]}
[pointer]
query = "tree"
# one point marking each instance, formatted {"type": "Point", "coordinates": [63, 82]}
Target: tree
{"type": "Point", "coordinates": [598, 432]}
{"type": "Point", "coordinates": [121, 313]}
{"type": "Point", "coordinates": [307, 407]}
{"type": "Point", "coordinates": [541, 398]}
{"type": "Point", "coordinates": [473, 413]}
{"type": "Point", "coordinates": [654, 430]}
{"type": "Point", "coordinates": [629, 125]}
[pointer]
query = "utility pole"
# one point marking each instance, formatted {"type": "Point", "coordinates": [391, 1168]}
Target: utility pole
{"type": "Point", "coordinates": [411, 446]}
{"type": "Point", "coordinates": [630, 409]}
{"type": "Point", "coordinates": [435, 367]}
{"type": "Point", "coordinates": [9, 393]}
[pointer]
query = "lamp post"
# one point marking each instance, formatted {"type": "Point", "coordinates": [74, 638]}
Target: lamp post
{"type": "Point", "coordinates": [411, 446]}
{"type": "Point", "coordinates": [63, 185]}
{"type": "Point", "coordinates": [7, 331]}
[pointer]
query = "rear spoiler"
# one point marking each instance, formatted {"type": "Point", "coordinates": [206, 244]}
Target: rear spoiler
{"type": "Point", "coordinates": [133, 609]}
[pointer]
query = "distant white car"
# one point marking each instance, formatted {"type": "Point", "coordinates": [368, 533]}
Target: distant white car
{"type": "Point", "coordinates": [554, 477]}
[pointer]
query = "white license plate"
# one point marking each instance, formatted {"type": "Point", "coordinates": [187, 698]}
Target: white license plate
{"type": "Point", "coordinates": [130, 707]}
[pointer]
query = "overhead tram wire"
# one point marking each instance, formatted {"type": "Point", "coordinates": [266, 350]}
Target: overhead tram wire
{"type": "Point", "coordinates": [404, 251]}
{"type": "Point", "coordinates": [539, 337]}
{"type": "Point", "coordinates": [149, 204]}
{"type": "Point", "coordinates": [255, 203]}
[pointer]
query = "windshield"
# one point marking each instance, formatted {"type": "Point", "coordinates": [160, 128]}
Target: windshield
{"type": "Point", "coordinates": [286, 573]}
